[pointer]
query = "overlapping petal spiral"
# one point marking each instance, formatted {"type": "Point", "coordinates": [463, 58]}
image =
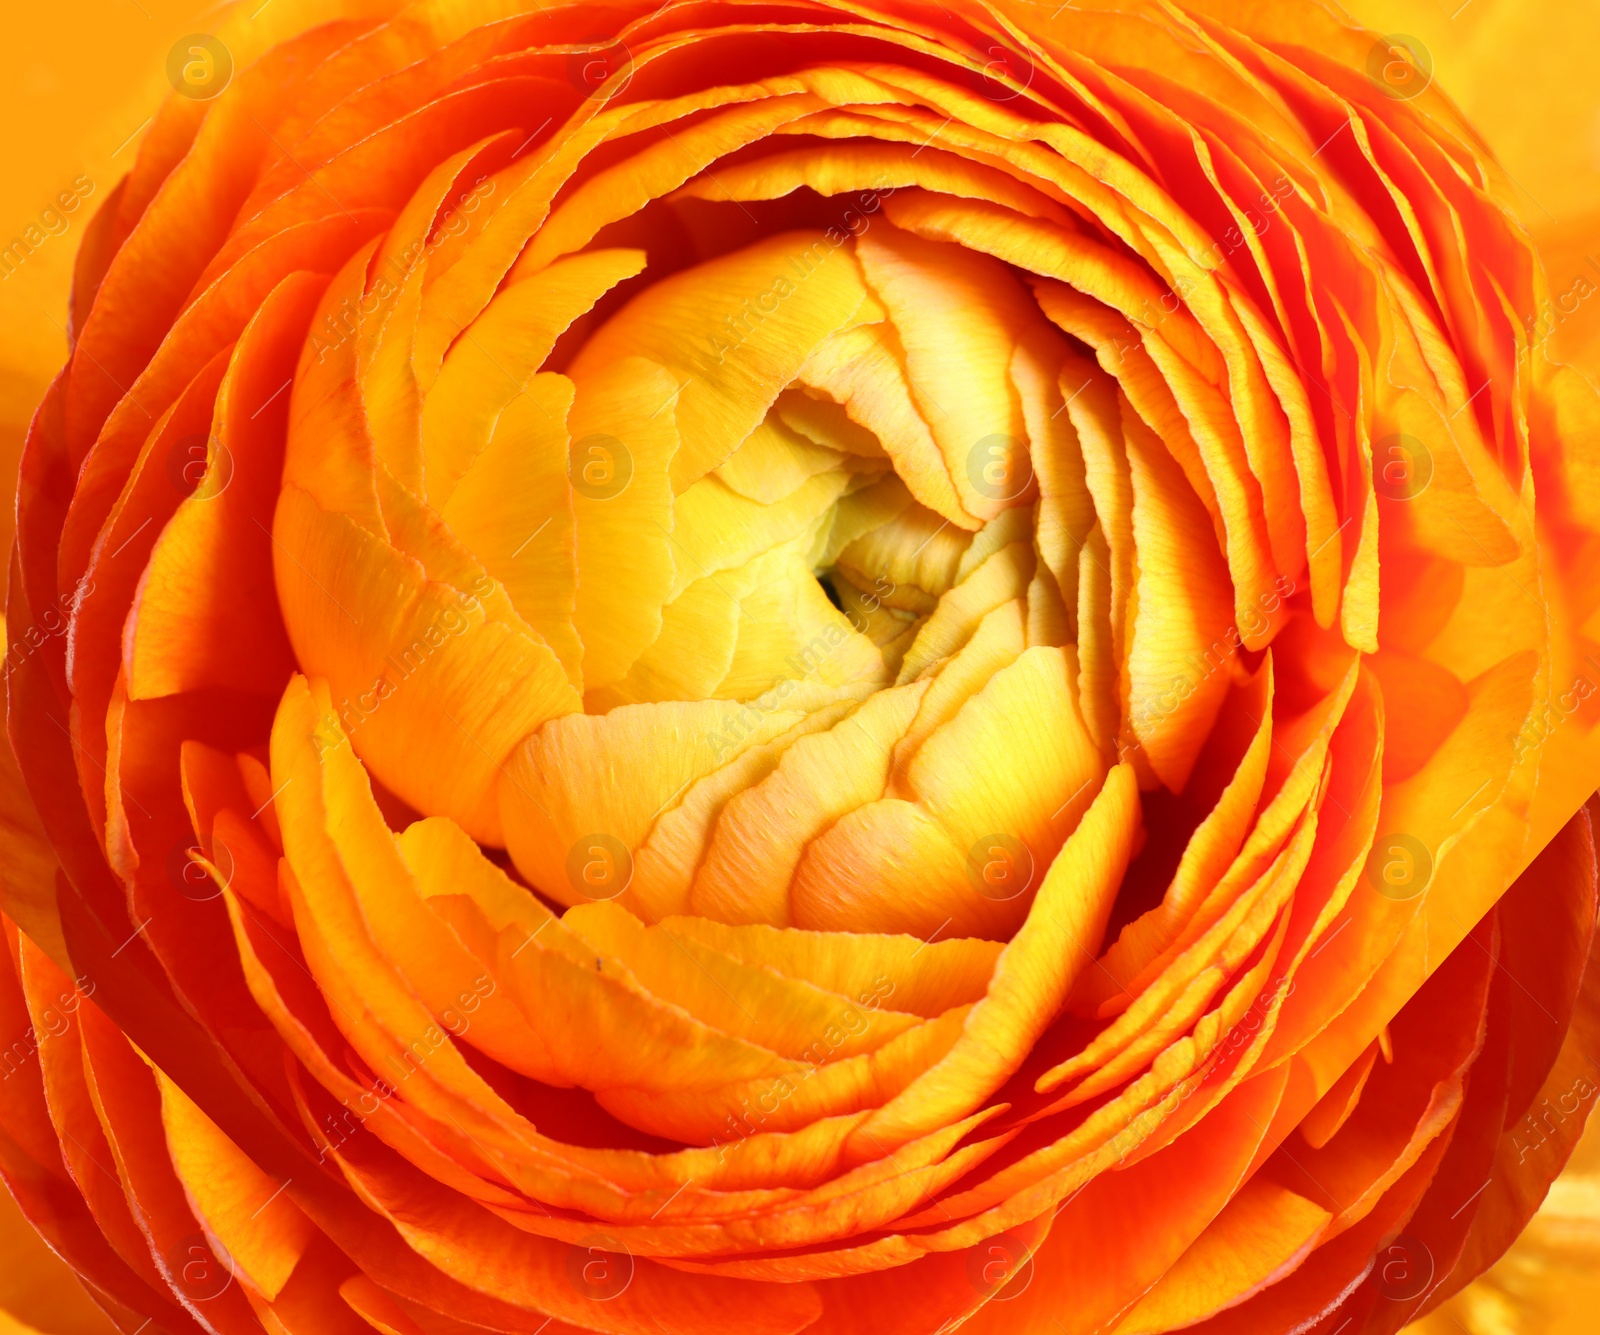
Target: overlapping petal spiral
{"type": "Point", "coordinates": [801, 667]}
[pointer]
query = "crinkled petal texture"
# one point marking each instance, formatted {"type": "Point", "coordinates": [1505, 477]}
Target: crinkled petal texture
{"type": "Point", "coordinates": [774, 667]}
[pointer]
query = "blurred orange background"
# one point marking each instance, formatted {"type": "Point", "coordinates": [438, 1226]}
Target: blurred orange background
{"type": "Point", "coordinates": [79, 80]}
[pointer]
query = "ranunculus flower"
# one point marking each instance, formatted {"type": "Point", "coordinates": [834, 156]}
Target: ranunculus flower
{"type": "Point", "coordinates": [801, 667]}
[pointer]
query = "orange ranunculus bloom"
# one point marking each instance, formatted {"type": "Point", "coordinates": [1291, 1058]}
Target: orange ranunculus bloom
{"type": "Point", "coordinates": [775, 667]}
